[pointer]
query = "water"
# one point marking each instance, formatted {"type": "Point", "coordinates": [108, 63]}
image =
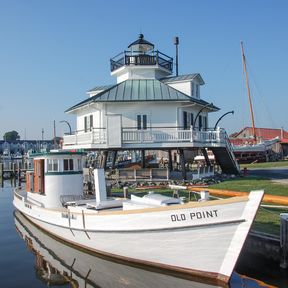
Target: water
{"type": "Point", "coordinates": [31, 258]}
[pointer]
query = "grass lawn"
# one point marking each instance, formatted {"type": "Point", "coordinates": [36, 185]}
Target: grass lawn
{"type": "Point", "coordinates": [267, 219]}
{"type": "Point", "coordinates": [248, 183]}
{"type": "Point", "coordinates": [266, 164]}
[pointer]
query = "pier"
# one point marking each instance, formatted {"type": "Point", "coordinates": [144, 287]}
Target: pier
{"type": "Point", "coordinates": [15, 171]}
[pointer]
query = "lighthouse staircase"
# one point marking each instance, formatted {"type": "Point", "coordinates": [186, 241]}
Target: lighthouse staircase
{"type": "Point", "coordinates": [225, 158]}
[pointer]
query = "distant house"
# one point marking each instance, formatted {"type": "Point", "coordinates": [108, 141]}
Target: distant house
{"type": "Point", "coordinates": [23, 146]}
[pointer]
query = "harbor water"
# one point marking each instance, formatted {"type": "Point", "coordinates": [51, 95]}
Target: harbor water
{"type": "Point", "coordinates": [32, 258]}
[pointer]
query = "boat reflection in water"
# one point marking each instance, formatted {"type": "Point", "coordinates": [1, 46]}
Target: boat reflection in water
{"type": "Point", "coordinates": [58, 264]}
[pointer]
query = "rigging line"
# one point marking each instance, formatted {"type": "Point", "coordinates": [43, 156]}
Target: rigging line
{"type": "Point", "coordinates": [248, 90]}
{"type": "Point", "coordinates": [244, 114]}
{"type": "Point", "coordinates": [260, 94]}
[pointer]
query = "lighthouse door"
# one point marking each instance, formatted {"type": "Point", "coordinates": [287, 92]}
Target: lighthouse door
{"type": "Point", "coordinates": [114, 126]}
{"type": "Point", "coordinates": [39, 176]}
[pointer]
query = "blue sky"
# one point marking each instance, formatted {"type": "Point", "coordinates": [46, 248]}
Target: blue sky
{"type": "Point", "coordinates": [53, 51]}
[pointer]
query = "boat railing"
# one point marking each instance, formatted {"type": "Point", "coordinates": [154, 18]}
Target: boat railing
{"type": "Point", "coordinates": [17, 195]}
{"type": "Point", "coordinates": [64, 199]}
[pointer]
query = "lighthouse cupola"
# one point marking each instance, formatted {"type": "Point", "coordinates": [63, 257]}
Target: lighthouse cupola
{"type": "Point", "coordinates": [141, 61]}
{"type": "Point", "coordinates": [141, 46]}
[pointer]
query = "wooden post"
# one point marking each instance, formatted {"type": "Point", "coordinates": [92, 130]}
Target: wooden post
{"type": "Point", "coordinates": [125, 192]}
{"type": "Point", "coordinates": [13, 174]}
{"type": "Point", "coordinates": [114, 157]}
{"type": "Point", "coordinates": [2, 174]}
{"type": "Point", "coordinates": [182, 164]}
{"type": "Point", "coordinates": [142, 158]}
{"type": "Point", "coordinates": [205, 154]}
{"type": "Point", "coordinates": [170, 167]}
{"type": "Point", "coordinates": [104, 162]}
{"type": "Point", "coordinates": [19, 175]}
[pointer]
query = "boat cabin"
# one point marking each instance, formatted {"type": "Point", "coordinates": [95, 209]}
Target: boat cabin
{"type": "Point", "coordinates": [57, 177]}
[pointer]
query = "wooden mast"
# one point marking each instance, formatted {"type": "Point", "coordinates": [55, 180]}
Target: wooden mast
{"type": "Point", "coordinates": [249, 94]}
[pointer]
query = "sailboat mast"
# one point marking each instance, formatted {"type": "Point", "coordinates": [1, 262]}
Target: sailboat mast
{"type": "Point", "coordinates": [248, 89]}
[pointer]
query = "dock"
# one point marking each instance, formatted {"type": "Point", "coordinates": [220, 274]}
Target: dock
{"type": "Point", "coordinates": [15, 172]}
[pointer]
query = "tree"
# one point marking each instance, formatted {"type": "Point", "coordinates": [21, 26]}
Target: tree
{"type": "Point", "coordinates": [11, 136]}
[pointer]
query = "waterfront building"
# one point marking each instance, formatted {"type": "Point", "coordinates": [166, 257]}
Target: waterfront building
{"type": "Point", "coordinates": [147, 109]}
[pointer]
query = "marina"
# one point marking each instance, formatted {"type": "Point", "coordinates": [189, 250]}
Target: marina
{"type": "Point", "coordinates": [152, 178]}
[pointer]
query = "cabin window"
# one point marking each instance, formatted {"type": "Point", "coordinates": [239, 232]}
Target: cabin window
{"type": "Point", "coordinates": [52, 165]}
{"type": "Point", "coordinates": [142, 122]}
{"type": "Point", "coordinates": [88, 123]}
{"type": "Point", "coordinates": [68, 165]}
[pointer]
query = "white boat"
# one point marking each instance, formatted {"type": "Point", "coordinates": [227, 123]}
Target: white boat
{"type": "Point", "coordinates": [6, 155]}
{"type": "Point", "coordinates": [199, 239]}
{"type": "Point", "coordinates": [256, 147]}
{"type": "Point", "coordinates": [17, 156]}
{"type": "Point", "coordinates": [55, 260]}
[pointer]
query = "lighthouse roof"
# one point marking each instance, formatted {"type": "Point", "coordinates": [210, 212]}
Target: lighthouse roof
{"type": "Point", "coordinates": [141, 41]}
{"type": "Point", "coordinates": [181, 78]}
{"type": "Point", "coordinates": [140, 90]}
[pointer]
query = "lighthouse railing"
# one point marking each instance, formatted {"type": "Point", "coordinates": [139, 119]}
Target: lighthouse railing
{"type": "Point", "coordinates": [131, 135]}
{"type": "Point", "coordinates": [161, 134]}
{"type": "Point", "coordinates": [135, 58]}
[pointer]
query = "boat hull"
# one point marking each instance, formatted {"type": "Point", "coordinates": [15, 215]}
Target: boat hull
{"type": "Point", "coordinates": [203, 239]}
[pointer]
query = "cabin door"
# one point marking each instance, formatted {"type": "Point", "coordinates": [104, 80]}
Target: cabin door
{"type": "Point", "coordinates": [39, 176]}
{"type": "Point", "coordinates": [114, 127]}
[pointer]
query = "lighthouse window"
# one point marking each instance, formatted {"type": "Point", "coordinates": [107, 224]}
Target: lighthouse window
{"type": "Point", "coordinates": [142, 122]}
{"type": "Point", "coordinates": [197, 91]}
{"type": "Point", "coordinates": [68, 165]}
{"type": "Point", "coordinates": [52, 165]}
{"type": "Point", "coordinates": [88, 123]}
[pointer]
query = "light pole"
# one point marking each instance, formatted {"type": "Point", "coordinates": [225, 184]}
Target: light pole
{"type": "Point", "coordinates": [205, 106]}
{"type": "Point", "coordinates": [64, 121]}
{"type": "Point", "coordinates": [176, 43]}
{"type": "Point", "coordinates": [230, 112]}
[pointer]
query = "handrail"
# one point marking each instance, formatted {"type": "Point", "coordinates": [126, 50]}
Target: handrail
{"type": "Point", "coordinates": [230, 150]}
{"type": "Point", "coordinates": [139, 58]}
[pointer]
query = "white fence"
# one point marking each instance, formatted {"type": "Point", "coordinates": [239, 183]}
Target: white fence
{"type": "Point", "coordinates": [157, 174]}
{"type": "Point", "coordinates": [96, 136]}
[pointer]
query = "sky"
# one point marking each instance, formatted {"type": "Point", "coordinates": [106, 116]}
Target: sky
{"type": "Point", "coordinates": [53, 52]}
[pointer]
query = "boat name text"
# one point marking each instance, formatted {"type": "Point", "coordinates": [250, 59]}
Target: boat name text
{"type": "Point", "coordinates": [194, 215]}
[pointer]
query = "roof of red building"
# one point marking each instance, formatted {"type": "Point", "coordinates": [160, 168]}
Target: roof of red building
{"type": "Point", "coordinates": [265, 133]}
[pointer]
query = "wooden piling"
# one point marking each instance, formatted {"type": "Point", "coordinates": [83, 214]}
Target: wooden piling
{"type": "Point", "coordinates": [2, 174]}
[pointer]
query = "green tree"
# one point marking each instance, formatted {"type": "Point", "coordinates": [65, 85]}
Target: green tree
{"type": "Point", "coordinates": [11, 136]}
